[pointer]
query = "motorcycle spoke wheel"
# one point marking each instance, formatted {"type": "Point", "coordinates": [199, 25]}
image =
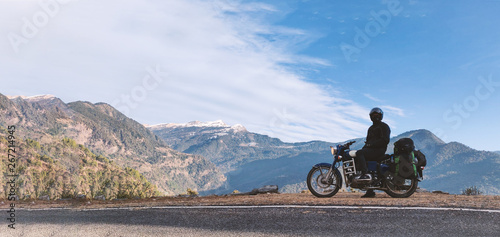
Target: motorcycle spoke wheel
{"type": "Point", "coordinates": [322, 186]}
{"type": "Point", "coordinates": [401, 191]}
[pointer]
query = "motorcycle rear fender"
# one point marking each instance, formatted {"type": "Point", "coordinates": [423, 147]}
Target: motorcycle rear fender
{"type": "Point", "coordinates": [322, 165]}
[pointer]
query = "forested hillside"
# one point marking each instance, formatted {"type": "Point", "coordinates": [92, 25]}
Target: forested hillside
{"type": "Point", "coordinates": [65, 169]}
{"type": "Point", "coordinates": [106, 132]}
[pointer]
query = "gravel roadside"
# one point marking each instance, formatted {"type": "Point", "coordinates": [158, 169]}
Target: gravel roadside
{"type": "Point", "coordinates": [341, 199]}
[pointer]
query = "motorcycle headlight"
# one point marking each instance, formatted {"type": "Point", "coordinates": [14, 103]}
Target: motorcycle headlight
{"type": "Point", "coordinates": [334, 150]}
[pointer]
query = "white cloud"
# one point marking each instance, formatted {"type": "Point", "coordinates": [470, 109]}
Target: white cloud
{"type": "Point", "coordinates": [393, 110]}
{"type": "Point", "coordinates": [372, 97]}
{"type": "Point", "coordinates": [236, 6]}
{"type": "Point", "coordinates": [217, 65]}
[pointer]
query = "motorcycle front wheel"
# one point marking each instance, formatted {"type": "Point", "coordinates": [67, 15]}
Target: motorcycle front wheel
{"type": "Point", "coordinates": [322, 186]}
{"type": "Point", "coordinates": [403, 190]}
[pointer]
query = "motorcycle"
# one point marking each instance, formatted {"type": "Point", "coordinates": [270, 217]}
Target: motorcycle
{"type": "Point", "coordinates": [325, 179]}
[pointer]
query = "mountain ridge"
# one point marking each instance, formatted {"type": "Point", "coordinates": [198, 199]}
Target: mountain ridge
{"type": "Point", "coordinates": [107, 132]}
{"type": "Point", "coordinates": [212, 124]}
{"type": "Point", "coordinates": [216, 157]}
{"type": "Point", "coordinates": [251, 160]}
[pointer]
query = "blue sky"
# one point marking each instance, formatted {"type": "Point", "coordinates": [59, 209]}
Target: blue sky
{"type": "Point", "coordinates": [296, 70]}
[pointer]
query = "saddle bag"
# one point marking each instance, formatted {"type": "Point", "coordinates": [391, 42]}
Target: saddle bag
{"type": "Point", "coordinates": [421, 160]}
{"type": "Point", "coordinates": [404, 158]}
{"type": "Point", "coordinates": [420, 163]}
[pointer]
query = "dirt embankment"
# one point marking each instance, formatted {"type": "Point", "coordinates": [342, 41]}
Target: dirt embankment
{"type": "Point", "coordinates": [341, 199]}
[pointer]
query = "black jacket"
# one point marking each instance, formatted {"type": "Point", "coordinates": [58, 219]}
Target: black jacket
{"type": "Point", "coordinates": [378, 136]}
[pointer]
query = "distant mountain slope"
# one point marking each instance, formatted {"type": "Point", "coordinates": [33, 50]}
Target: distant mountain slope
{"type": "Point", "coordinates": [453, 166]}
{"type": "Point", "coordinates": [228, 147]}
{"type": "Point", "coordinates": [107, 132]}
{"type": "Point", "coordinates": [251, 160]}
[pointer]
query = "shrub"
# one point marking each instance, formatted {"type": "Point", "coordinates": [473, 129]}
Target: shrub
{"type": "Point", "coordinates": [47, 159]}
{"type": "Point", "coordinates": [191, 192]}
{"type": "Point", "coordinates": [67, 194]}
{"type": "Point", "coordinates": [123, 195]}
{"type": "Point", "coordinates": [69, 142]}
{"type": "Point", "coordinates": [471, 191]}
{"type": "Point", "coordinates": [102, 159]}
{"type": "Point", "coordinates": [32, 143]}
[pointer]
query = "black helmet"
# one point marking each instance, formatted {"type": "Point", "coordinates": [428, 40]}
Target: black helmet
{"type": "Point", "coordinates": [376, 114]}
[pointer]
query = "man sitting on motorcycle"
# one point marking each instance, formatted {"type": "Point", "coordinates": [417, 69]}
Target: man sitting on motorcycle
{"type": "Point", "coordinates": [377, 139]}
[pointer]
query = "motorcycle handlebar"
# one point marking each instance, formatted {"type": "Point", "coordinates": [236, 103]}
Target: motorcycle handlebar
{"type": "Point", "coordinates": [346, 145]}
{"type": "Point", "coordinates": [349, 143]}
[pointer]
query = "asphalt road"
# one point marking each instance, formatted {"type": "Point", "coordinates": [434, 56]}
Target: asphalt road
{"type": "Point", "coordinates": [253, 221]}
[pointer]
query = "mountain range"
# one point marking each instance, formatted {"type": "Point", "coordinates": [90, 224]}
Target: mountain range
{"type": "Point", "coordinates": [252, 160]}
{"type": "Point", "coordinates": [107, 133]}
{"type": "Point", "coordinates": [80, 147]}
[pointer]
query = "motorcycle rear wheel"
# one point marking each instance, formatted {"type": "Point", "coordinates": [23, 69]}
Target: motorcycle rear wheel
{"type": "Point", "coordinates": [322, 186]}
{"type": "Point", "coordinates": [401, 191]}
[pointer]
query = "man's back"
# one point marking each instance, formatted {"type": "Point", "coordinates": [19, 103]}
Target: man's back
{"type": "Point", "coordinates": [378, 136]}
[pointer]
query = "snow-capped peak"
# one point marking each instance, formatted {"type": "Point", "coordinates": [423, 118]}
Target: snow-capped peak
{"type": "Point", "coordinates": [238, 128]}
{"type": "Point", "coordinates": [218, 123]}
{"type": "Point", "coordinates": [34, 98]}
{"type": "Point", "coordinates": [212, 124]}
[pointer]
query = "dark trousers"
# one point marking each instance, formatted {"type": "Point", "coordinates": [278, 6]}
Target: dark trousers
{"type": "Point", "coordinates": [368, 154]}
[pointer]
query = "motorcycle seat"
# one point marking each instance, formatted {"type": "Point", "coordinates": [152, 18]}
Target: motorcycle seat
{"type": "Point", "coordinates": [352, 153]}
